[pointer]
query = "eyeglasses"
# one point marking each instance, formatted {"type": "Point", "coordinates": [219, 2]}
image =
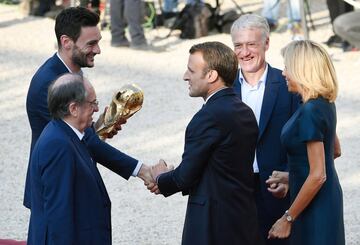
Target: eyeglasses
{"type": "Point", "coordinates": [94, 103]}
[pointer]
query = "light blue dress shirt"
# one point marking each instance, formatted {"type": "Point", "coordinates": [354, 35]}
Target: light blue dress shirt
{"type": "Point", "coordinates": [253, 97]}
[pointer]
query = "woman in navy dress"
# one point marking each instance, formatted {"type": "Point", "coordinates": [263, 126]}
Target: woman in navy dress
{"type": "Point", "coordinates": [315, 216]}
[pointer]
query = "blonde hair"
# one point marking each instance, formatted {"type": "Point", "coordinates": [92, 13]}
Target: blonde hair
{"type": "Point", "coordinates": [309, 65]}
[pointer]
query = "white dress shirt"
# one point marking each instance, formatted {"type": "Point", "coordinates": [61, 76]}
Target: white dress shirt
{"type": "Point", "coordinates": [76, 131]}
{"type": "Point", "coordinates": [253, 97]}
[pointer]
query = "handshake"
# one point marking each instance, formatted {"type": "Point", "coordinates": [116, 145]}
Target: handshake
{"type": "Point", "coordinates": [150, 174]}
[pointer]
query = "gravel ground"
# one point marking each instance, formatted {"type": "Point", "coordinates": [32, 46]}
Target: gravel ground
{"type": "Point", "coordinates": [157, 131]}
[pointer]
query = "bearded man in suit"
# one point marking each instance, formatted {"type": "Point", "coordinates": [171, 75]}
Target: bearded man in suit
{"type": "Point", "coordinates": [78, 38]}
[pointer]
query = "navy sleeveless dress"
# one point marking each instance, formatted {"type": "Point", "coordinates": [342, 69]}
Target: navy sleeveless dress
{"type": "Point", "coordinates": [321, 222]}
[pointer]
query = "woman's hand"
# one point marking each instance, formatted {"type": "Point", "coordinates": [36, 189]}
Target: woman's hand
{"type": "Point", "coordinates": [281, 229]}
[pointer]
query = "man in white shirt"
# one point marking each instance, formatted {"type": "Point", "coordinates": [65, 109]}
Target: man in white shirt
{"type": "Point", "coordinates": [264, 90]}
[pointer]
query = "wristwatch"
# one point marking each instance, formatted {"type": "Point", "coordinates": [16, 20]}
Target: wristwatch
{"type": "Point", "coordinates": [288, 217]}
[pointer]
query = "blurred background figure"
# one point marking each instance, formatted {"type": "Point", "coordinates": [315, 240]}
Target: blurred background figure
{"type": "Point", "coordinates": [170, 7]}
{"type": "Point", "coordinates": [337, 8]}
{"type": "Point", "coordinates": [125, 13]}
{"type": "Point", "coordinates": [47, 8]}
{"type": "Point", "coordinates": [44, 7]}
{"type": "Point", "coordinates": [347, 27]}
{"type": "Point", "coordinates": [271, 13]}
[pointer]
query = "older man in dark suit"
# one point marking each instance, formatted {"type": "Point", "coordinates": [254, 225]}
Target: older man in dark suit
{"type": "Point", "coordinates": [69, 201]}
{"type": "Point", "coordinates": [78, 39]}
{"type": "Point", "coordinates": [216, 167]}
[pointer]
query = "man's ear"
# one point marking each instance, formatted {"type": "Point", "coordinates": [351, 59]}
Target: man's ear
{"type": "Point", "coordinates": [213, 76]}
{"type": "Point", "coordinates": [73, 109]}
{"type": "Point", "coordinates": [267, 43]}
{"type": "Point", "coordinates": [66, 42]}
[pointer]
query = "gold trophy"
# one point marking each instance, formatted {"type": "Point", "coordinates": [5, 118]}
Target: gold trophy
{"type": "Point", "coordinates": [125, 103]}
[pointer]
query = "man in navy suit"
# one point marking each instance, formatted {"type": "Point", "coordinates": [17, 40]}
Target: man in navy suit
{"type": "Point", "coordinates": [216, 166]}
{"type": "Point", "coordinates": [69, 201]}
{"type": "Point", "coordinates": [264, 89]}
{"type": "Point", "coordinates": [78, 40]}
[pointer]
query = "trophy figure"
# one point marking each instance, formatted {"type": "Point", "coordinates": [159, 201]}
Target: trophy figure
{"type": "Point", "coordinates": [125, 103]}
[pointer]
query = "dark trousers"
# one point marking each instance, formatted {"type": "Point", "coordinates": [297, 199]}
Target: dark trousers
{"type": "Point", "coordinates": [347, 26]}
{"type": "Point", "coordinates": [263, 220]}
{"type": "Point", "coordinates": [338, 7]}
{"type": "Point", "coordinates": [126, 13]}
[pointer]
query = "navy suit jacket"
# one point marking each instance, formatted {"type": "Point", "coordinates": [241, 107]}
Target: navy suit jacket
{"type": "Point", "coordinates": [69, 201]}
{"type": "Point", "coordinates": [277, 107]}
{"type": "Point", "coordinates": [39, 116]}
{"type": "Point", "coordinates": [216, 172]}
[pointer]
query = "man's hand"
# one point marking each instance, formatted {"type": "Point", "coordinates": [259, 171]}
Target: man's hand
{"type": "Point", "coordinates": [156, 170]}
{"type": "Point", "coordinates": [278, 190]}
{"type": "Point", "coordinates": [278, 184]}
{"type": "Point", "coordinates": [116, 129]}
{"type": "Point", "coordinates": [117, 126]}
{"type": "Point", "coordinates": [100, 120]}
{"type": "Point", "coordinates": [145, 174]}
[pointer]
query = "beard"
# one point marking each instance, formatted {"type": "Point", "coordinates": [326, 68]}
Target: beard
{"type": "Point", "coordinates": [80, 58]}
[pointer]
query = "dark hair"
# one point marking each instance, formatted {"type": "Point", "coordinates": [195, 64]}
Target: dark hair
{"type": "Point", "coordinates": [64, 90]}
{"type": "Point", "coordinates": [70, 20]}
{"type": "Point", "coordinates": [219, 57]}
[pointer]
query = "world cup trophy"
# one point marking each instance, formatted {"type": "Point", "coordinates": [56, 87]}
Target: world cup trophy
{"type": "Point", "coordinates": [125, 103]}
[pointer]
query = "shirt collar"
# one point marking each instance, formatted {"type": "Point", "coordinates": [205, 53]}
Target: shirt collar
{"type": "Point", "coordinates": [207, 99]}
{"type": "Point", "coordinates": [58, 55]}
{"type": "Point", "coordinates": [76, 131]}
{"type": "Point", "coordinates": [261, 80]}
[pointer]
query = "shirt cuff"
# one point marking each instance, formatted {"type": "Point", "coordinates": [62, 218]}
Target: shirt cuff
{"type": "Point", "coordinates": [157, 179]}
{"type": "Point", "coordinates": [137, 169]}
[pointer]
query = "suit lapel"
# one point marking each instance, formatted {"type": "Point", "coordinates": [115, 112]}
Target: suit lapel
{"type": "Point", "coordinates": [79, 146]}
{"type": "Point", "coordinates": [269, 99]}
{"type": "Point", "coordinates": [237, 86]}
{"type": "Point", "coordinates": [95, 172]}
{"type": "Point", "coordinates": [58, 65]}
{"type": "Point", "coordinates": [84, 154]}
